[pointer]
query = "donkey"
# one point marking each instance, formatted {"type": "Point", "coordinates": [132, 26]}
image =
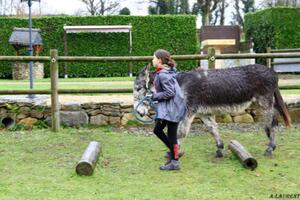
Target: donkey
{"type": "Point", "coordinates": [231, 90]}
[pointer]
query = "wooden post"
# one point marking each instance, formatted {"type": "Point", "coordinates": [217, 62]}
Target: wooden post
{"type": "Point", "coordinates": [211, 58]}
{"type": "Point", "coordinates": [54, 90]}
{"type": "Point", "coordinates": [246, 158]}
{"type": "Point", "coordinates": [66, 54]}
{"type": "Point", "coordinates": [198, 62]}
{"type": "Point", "coordinates": [269, 60]}
{"type": "Point", "coordinates": [130, 52]}
{"type": "Point", "coordinates": [88, 161]}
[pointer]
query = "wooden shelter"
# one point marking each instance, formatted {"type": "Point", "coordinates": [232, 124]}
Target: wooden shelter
{"type": "Point", "coordinates": [20, 39]}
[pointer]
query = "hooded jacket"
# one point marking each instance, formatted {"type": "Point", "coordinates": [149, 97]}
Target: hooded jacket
{"type": "Point", "coordinates": [171, 104]}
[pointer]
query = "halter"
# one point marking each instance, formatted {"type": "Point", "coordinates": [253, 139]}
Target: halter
{"type": "Point", "coordinates": [146, 100]}
{"type": "Point", "coordinates": [152, 104]}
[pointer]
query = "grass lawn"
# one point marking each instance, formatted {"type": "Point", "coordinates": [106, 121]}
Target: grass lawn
{"type": "Point", "coordinates": [102, 79]}
{"type": "Point", "coordinates": [77, 83]}
{"type": "Point", "coordinates": [67, 86]}
{"type": "Point", "coordinates": [290, 91]}
{"type": "Point", "coordinates": [41, 165]}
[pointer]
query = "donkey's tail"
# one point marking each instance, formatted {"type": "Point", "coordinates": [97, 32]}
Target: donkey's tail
{"type": "Point", "coordinates": [282, 108]}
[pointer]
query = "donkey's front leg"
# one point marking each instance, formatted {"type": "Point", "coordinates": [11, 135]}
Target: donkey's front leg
{"type": "Point", "coordinates": [212, 125]}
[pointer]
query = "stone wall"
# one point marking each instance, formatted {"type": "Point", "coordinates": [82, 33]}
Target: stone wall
{"type": "Point", "coordinates": [29, 112]}
{"type": "Point", "coordinates": [20, 71]}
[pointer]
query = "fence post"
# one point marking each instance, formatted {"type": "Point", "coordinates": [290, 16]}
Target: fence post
{"type": "Point", "coordinates": [269, 60]}
{"type": "Point", "coordinates": [211, 58]}
{"type": "Point", "coordinates": [54, 90]}
{"type": "Point", "coordinates": [65, 53]}
{"type": "Point", "coordinates": [130, 52]}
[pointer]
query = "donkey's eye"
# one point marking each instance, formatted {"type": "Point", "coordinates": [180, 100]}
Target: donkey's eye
{"type": "Point", "coordinates": [139, 88]}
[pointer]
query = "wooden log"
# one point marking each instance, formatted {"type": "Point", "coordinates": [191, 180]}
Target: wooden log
{"type": "Point", "coordinates": [88, 161]}
{"type": "Point", "coordinates": [245, 157]}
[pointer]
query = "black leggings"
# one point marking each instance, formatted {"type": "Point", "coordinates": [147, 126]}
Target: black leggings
{"type": "Point", "coordinates": [171, 140]}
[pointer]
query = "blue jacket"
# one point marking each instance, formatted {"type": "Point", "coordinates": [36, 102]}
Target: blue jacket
{"type": "Point", "coordinates": [171, 104]}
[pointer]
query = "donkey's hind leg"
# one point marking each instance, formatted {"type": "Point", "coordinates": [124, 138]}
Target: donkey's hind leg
{"type": "Point", "coordinates": [270, 131]}
{"type": "Point", "coordinates": [270, 121]}
{"type": "Point", "coordinates": [212, 125]}
{"type": "Point", "coordinates": [184, 127]}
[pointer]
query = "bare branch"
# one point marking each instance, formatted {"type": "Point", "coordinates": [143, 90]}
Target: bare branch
{"type": "Point", "coordinates": [101, 7]}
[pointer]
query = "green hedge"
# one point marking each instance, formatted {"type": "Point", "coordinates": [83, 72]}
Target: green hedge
{"type": "Point", "coordinates": [176, 34]}
{"type": "Point", "coordinates": [278, 28]}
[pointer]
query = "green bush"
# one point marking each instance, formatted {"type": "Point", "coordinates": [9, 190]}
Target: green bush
{"type": "Point", "coordinates": [278, 28]}
{"type": "Point", "coordinates": [176, 34]}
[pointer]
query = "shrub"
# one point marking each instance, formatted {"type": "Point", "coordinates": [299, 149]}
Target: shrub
{"type": "Point", "coordinates": [176, 34]}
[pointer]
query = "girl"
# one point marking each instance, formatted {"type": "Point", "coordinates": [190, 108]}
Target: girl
{"type": "Point", "coordinates": [171, 107]}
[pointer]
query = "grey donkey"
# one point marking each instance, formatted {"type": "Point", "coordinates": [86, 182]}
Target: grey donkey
{"type": "Point", "coordinates": [231, 90]}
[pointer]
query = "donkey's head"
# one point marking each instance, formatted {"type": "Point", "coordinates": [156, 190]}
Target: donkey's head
{"type": "Point", "coordinates": [142, 85]}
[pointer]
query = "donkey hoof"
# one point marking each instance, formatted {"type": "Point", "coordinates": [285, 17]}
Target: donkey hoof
{"type": "Point", "coordinates": [268, 153]}
{"type": "Point", "coordinates": [219, 154]}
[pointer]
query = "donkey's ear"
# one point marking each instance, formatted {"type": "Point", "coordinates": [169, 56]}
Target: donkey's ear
{"type": "Point", "coordinates": [148, 67]}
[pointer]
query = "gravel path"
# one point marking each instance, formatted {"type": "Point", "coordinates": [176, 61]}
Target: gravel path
{"type": "Point", "coordinates": [199, 129]}
{"type": "Point", "coordinates": [103, 98]}
{"type": "Point", "coordinates": [125, 98]}
{"type": "Point", "coordinates": [289, 81]}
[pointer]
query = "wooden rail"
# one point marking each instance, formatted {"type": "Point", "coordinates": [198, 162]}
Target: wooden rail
{"type": "Point", "coordinates": [285, 50]}
{"type": "Point", "coordinates": [148, 58]}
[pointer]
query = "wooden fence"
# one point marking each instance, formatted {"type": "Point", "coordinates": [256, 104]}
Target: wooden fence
{"type": "Point", "coordinates": [288, 66]}
{"type": "Point", "coordinates": [55, 59]}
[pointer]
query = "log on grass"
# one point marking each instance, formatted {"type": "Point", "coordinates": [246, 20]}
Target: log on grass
{"type": "Point", "coordinates": [245, 157]}
{"type": "Point", "coordinates": [89, 159]}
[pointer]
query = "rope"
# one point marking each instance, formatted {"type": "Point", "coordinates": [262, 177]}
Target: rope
{"type": "Point", "coordinates": [152, 105]}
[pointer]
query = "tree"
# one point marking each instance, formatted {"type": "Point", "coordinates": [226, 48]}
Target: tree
{"type": "Point", "coordinates": [161, 7]}
{"type": "Point", "coordinates": [20, 9]}
{"type": "Point", "coordinates": [195, 9]}
{"type": "Point", "coordinates": [158, 7]}
{"type": "Point", "coordinates": [206, 8]}
{"type": "Point", "coordinates": [6, 7]}
{"type": "Point", "coordinates": [101, 7]}
{"type": "Point", "coordinates": [219, 14]}
{"type": "Point", "coordinates": [248, 6]}
{"type": "Point", "coordinates": [238, 15]}
{"type": "Point", "coordinates": [275, 3]}
{"type": "Point", "coordinates": [124, 11]}
{"type": "Point", "coordinates": [222, 8]}
{"type": "Point", "coordinates": [13, 7]}
{"type": "Point", "coordinates": [184, 7]}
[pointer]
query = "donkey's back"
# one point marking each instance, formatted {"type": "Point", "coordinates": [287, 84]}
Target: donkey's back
{"type": "Point", "coordinates": [227, 90]}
